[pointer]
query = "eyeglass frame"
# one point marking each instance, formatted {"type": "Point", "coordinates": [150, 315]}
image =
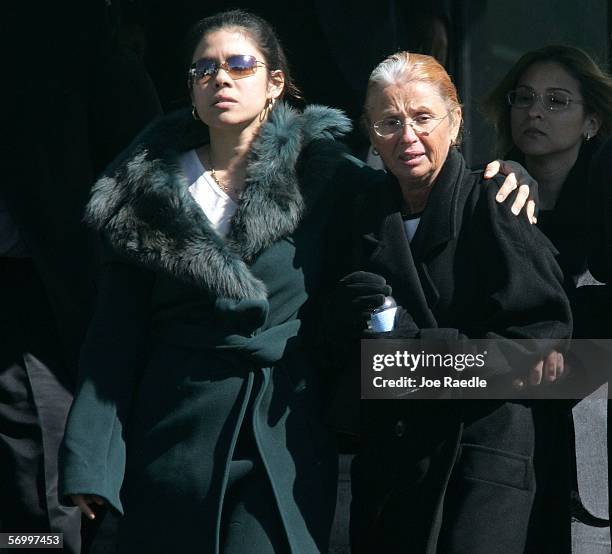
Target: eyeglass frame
{"type": "Point", "coordinates": [535, 97]}
{"type": "Point", "coordinates": [411, 124]}
{"type": "Point", "coordinates": [191, 79]}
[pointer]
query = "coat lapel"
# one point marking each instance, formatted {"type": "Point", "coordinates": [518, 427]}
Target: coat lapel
{"type": "Point", "coordinates": [407, 262]}
{"type": "Point", "coordinates": [439, 220]}
{"type": "Point", "coordinates": [392, 257]}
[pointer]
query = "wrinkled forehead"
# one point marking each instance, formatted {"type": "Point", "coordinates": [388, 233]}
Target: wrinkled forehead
{"type": "Point", "coordinates": [406, 97]}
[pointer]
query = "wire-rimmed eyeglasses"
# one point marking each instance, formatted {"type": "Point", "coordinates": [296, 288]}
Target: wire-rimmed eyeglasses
{"type": "Point", "coordinates": [523, 98]}
{"type": "Point", "coordinates": [421, 125]}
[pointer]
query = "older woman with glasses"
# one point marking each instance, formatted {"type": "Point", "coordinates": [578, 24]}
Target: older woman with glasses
{"type": "Point", "coordinates": [439, 476]}
{"type": "Point", "coordinates": [551, 112]}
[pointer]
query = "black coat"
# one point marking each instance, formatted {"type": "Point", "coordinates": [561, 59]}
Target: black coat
{"type": "Point", "coordinates": [449, 476]}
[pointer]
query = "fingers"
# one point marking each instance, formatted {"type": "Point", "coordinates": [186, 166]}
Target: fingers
{"type": "Point", "coordinates": [561, 369]}
{"type": "Point", "coordinates": [516, 177]}
{"type": "Point", "coordinates": [507, 187]}
{"type": "Point", "coordinates": [492, 169]}
{"type": "Point", "coordinates": [522, 196]}
{"type": "Point", "coordinates": [82, 501]}
{"type": "Point", "coordinates": [549, 370]}
{"type": "Point", "coordinates": [366, 289]}
{"type": "Point", "coordinates": [531, 216]}
{"type": "Point", "coordinates": [366, 304]}
{"type": "Point", "coordinates": [554, 367]}
{"type": "Point", "coordinates": [363, 277]}
{"type": "Point", "coordinates": [363, 283]}
{"type": "Point", "coordinates": [535, 375]}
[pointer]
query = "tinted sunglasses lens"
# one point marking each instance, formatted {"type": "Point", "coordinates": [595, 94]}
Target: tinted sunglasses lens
{"type": "Point", "coordinates": [241, 66]}
{"type": "Point", "coordinates": [203, 69]}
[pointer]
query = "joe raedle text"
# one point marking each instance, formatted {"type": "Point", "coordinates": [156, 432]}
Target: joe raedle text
{"type": "Point", "coordinates": [404, 368]}
{"type": "Point", "coordinates": [473, 382]}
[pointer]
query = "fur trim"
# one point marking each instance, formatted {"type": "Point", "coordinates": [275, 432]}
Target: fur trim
{"type": "Point", "coordinates": [144, 209]}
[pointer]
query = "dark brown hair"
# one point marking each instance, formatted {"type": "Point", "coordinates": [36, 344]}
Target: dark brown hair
{"type": "Point", "coordinates": [595, 88]}
{"type": "Point", "coordinates": [258, 30]}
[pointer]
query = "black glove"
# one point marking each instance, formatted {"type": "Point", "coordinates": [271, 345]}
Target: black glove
{"type": "Point", "coordinates": [355, 296]}
{"type": "Point", "coordinates": [404, 328]}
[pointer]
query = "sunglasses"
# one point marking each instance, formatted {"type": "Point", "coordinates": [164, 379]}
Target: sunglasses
{"type": "Point", "coordinates": [237, 67]}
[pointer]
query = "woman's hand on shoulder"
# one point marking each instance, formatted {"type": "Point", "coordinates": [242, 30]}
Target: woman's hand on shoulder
{"type": "Point", "coordinates": [516, 176]}
{"type": "Point", "coordinates": [84, 501]}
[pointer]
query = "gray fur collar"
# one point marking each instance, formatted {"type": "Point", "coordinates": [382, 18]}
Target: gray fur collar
{"type": "Point", "coordinates": [143, 207]}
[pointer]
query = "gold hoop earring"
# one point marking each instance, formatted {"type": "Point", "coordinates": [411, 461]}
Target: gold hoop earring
{"type": "Point", "coordinates": [194, 113]}
{"type": "Point", "coordinates": [263, 115]}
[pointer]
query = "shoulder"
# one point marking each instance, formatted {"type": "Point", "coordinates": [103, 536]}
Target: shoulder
{"type": "Point", "coordinates": [146, 166]}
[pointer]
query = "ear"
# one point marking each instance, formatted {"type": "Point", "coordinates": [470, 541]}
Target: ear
{"type": "Point", "coordinates": [592, 124]}
{"type": "Point", "coordinates": [456, 117]}
{"type": "Point", "coordinates": [374, 138]}
{"type": "Point", "coordinates": [276, 84]}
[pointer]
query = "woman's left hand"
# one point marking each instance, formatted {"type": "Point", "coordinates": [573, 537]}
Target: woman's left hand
{"type": "Point", "coordinates": [516, 177]}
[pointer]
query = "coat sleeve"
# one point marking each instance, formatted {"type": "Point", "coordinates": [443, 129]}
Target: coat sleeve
{"type": "Point", "coordinates": [92, 457]}
{"type": "Point", "coordinates": [523, 283]}
{"type": "Point", "coordinates": [519, 291]}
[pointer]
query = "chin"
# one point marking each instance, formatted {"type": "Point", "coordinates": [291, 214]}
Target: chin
{"type": "Point", "coordinates": [413, 175]}
{"type": "Point", "coordinates": [228, 118]}
{"type": "Point", "coordinates": [533, 149]}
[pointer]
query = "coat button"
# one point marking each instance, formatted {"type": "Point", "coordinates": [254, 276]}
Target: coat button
{"type": "Point", "coordinates": [400, 428]}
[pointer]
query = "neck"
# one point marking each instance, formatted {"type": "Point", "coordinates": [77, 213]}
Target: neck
{"type": "Point", "coordinates": [551, 172]}
{"type": "Point", "coordinates": [229, 148]}
{"type": "Point", "coordinates": [227, 155]}
{"type": "Point", "coordinates": [415, 199]}
{"type": "Point", "coordinates": [416, 193]}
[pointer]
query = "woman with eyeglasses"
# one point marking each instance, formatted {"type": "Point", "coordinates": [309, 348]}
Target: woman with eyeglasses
{"type": "Point", "coordinates": [441, 476]}
{"type": "Point", "coordinates": [551, 111]}
{"type": "Point", "coordinates": [197, 412]}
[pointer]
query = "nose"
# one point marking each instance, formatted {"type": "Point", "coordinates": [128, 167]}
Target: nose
{"type": "Point", "coordinates": [408, 134]}
{"type": "Point", "coordinates": [222, 77]}
{"type": "Point", "coordinates": [537, 108]}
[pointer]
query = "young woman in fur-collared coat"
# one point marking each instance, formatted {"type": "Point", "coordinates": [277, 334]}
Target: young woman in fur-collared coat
{"type": "Point", "coordinates": [197, 413]}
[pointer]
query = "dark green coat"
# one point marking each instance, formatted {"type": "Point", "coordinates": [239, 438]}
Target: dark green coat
{"type": "Point", "coordinates": [197, 337]}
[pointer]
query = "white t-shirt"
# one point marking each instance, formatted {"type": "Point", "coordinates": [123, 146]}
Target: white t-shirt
{"type": "Point", "coordinates": [216, 204]}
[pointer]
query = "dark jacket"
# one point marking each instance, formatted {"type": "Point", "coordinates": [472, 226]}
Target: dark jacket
{"type": "Point", "coordinates": [197, 337]}
{"type": "Point", "coordinates": [452, 476]}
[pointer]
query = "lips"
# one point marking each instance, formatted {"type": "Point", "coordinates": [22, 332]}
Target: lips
{"type": "Point", "coordinates": [533, 132]}
{"type": "Point", "coordinates": [221, 101]}
{"type": "Point", "coordinates": [411, 156]}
